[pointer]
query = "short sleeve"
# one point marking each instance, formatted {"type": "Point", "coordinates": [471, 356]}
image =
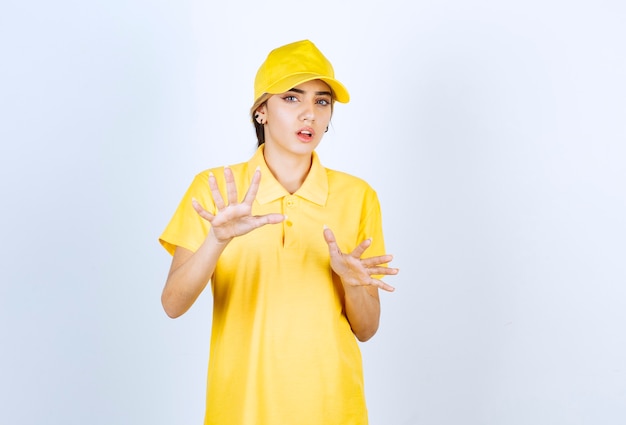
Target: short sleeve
{"type": "Point", "coordinates": [371, 224]}
{"type": "Point", "coordinates": [186, 228]}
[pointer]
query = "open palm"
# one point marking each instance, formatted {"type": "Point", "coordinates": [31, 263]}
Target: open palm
{"type": "Point", "coordinates": [356, 271]}
{"type": "Point", "coordinates": [234, 218]}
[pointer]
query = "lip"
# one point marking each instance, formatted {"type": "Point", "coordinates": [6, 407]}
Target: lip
{"type": "Point", "coordinates": [305, 134]}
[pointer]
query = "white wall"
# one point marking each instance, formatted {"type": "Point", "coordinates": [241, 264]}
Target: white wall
{"type": "Point", "coordinates": [494, 133]}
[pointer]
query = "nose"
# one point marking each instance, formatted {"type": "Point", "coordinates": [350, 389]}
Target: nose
{"type": "Point", "coordinates": [307, 113]}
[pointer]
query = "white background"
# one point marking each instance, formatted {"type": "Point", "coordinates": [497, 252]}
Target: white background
{"type": "Point", "coordinates": [494, 133]}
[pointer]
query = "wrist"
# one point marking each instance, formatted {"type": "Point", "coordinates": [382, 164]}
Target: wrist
{"type": "Point", "coordinates": [214, 240]}
{"type": "Point", "coordinates": [352, 286]}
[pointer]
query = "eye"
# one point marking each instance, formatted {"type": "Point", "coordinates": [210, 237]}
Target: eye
{"type": "Point", "coordinates": [323, 102]}
{"type": "Point", "coordinates": [290, 98]}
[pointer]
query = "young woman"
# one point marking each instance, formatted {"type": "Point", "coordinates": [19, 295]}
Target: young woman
{"type": "Point", "coordinates": [294, 263]}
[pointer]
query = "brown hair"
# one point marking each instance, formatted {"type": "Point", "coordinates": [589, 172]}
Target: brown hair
{"type": "Point", "coordinates": [259, 128]}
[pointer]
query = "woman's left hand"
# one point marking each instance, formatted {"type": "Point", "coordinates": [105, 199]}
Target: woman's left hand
{"type": "Point", "coordinates": [356, 271]}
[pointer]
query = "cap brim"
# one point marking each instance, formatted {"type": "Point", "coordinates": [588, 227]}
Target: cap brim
{"type": "Point", "coordinates": [339, 90]}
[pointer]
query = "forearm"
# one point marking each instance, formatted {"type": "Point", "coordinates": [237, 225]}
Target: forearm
{"type": "Point", "coordinates": [363, 310]}
{"type": "Point", "coordinates": [188, 276]}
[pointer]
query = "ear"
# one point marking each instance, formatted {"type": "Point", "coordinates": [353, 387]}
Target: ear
{"type": "Point", "coordinates": [260, 114]}
{"type": "Point", "coordinates": [262, 109]}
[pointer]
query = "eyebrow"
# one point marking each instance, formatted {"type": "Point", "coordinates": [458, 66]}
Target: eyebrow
{"type": "Point", "coordinates": [318, 93]}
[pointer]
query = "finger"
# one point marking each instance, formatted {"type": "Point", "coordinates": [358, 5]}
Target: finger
{"type": "Point", "coordinates": [389, 271]}
{"type": "Point", "coordinates": [262, 220]}
{"type": "Point", "coordinates": [254, 187]}
{"type": "Point", "coordinates": [254, 222]}
{"type": "Point", "coordinates": [215, 191]}
{"type": "Point", "coordinates": [231, 187]}
{"type": "Point", "coordinates": [376, 261]}
{"type": "Point", "coordinates": [360, 249]}
{"type": "Point", "coordinates": [330, 240]}
{"type": "Point", "coordinates": [382, 285]}
{"type": "Point", "coordinates": [201, 211]}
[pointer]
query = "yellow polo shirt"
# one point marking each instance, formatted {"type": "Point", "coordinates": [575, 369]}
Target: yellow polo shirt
{"type": "Point", "coordinates": [282, 351]}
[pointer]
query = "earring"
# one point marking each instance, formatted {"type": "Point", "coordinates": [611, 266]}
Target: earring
{"type": "Point", "coordinates": [260, 120]}
{"type": "Point", "coordinates": [326, 131]}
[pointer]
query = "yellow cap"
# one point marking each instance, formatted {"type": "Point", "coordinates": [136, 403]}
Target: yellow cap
{"type": "Point", "coordinates": [293, 64]}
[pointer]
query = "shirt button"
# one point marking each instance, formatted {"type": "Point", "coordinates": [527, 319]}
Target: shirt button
{"type": "Point", "coordinates": [291, 203]}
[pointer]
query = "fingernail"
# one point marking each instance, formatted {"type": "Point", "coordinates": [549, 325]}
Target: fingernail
{"type": "Point", "coordinates": [325, 227]}
{"type": "Point", "coordinates": [258, 168]}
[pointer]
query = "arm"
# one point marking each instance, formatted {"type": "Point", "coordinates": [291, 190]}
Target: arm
{"type": "Point", "coordinates": [190, 272]}
{"type": "Point", "coordinates": [188, 276]}
{"type": "Point", "coordinates": [361, 289]}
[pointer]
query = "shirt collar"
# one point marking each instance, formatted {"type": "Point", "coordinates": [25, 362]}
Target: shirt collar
{"type": "Point", "coordinates": [314, 188]}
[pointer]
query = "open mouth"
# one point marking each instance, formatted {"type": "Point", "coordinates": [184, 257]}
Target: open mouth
{"type": "Point", "coordinates": [305, 135]}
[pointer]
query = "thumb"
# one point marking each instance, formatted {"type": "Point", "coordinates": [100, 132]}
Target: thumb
{"type": "Point", "coordinates": [329, 237]}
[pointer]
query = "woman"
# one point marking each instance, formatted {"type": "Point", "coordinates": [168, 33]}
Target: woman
{"type": "Point", "coordinates": [290, 295]}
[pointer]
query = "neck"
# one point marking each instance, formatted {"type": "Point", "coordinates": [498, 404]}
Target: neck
{"type": "Point", "coordinates": [289, 170]}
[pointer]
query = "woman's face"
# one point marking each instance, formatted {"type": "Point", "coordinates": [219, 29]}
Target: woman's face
{"type": "Point", "coordinates": [297, 119]}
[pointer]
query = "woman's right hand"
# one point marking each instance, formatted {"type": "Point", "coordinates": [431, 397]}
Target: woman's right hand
{"type": "Point", "coordinates": [234, 219]}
